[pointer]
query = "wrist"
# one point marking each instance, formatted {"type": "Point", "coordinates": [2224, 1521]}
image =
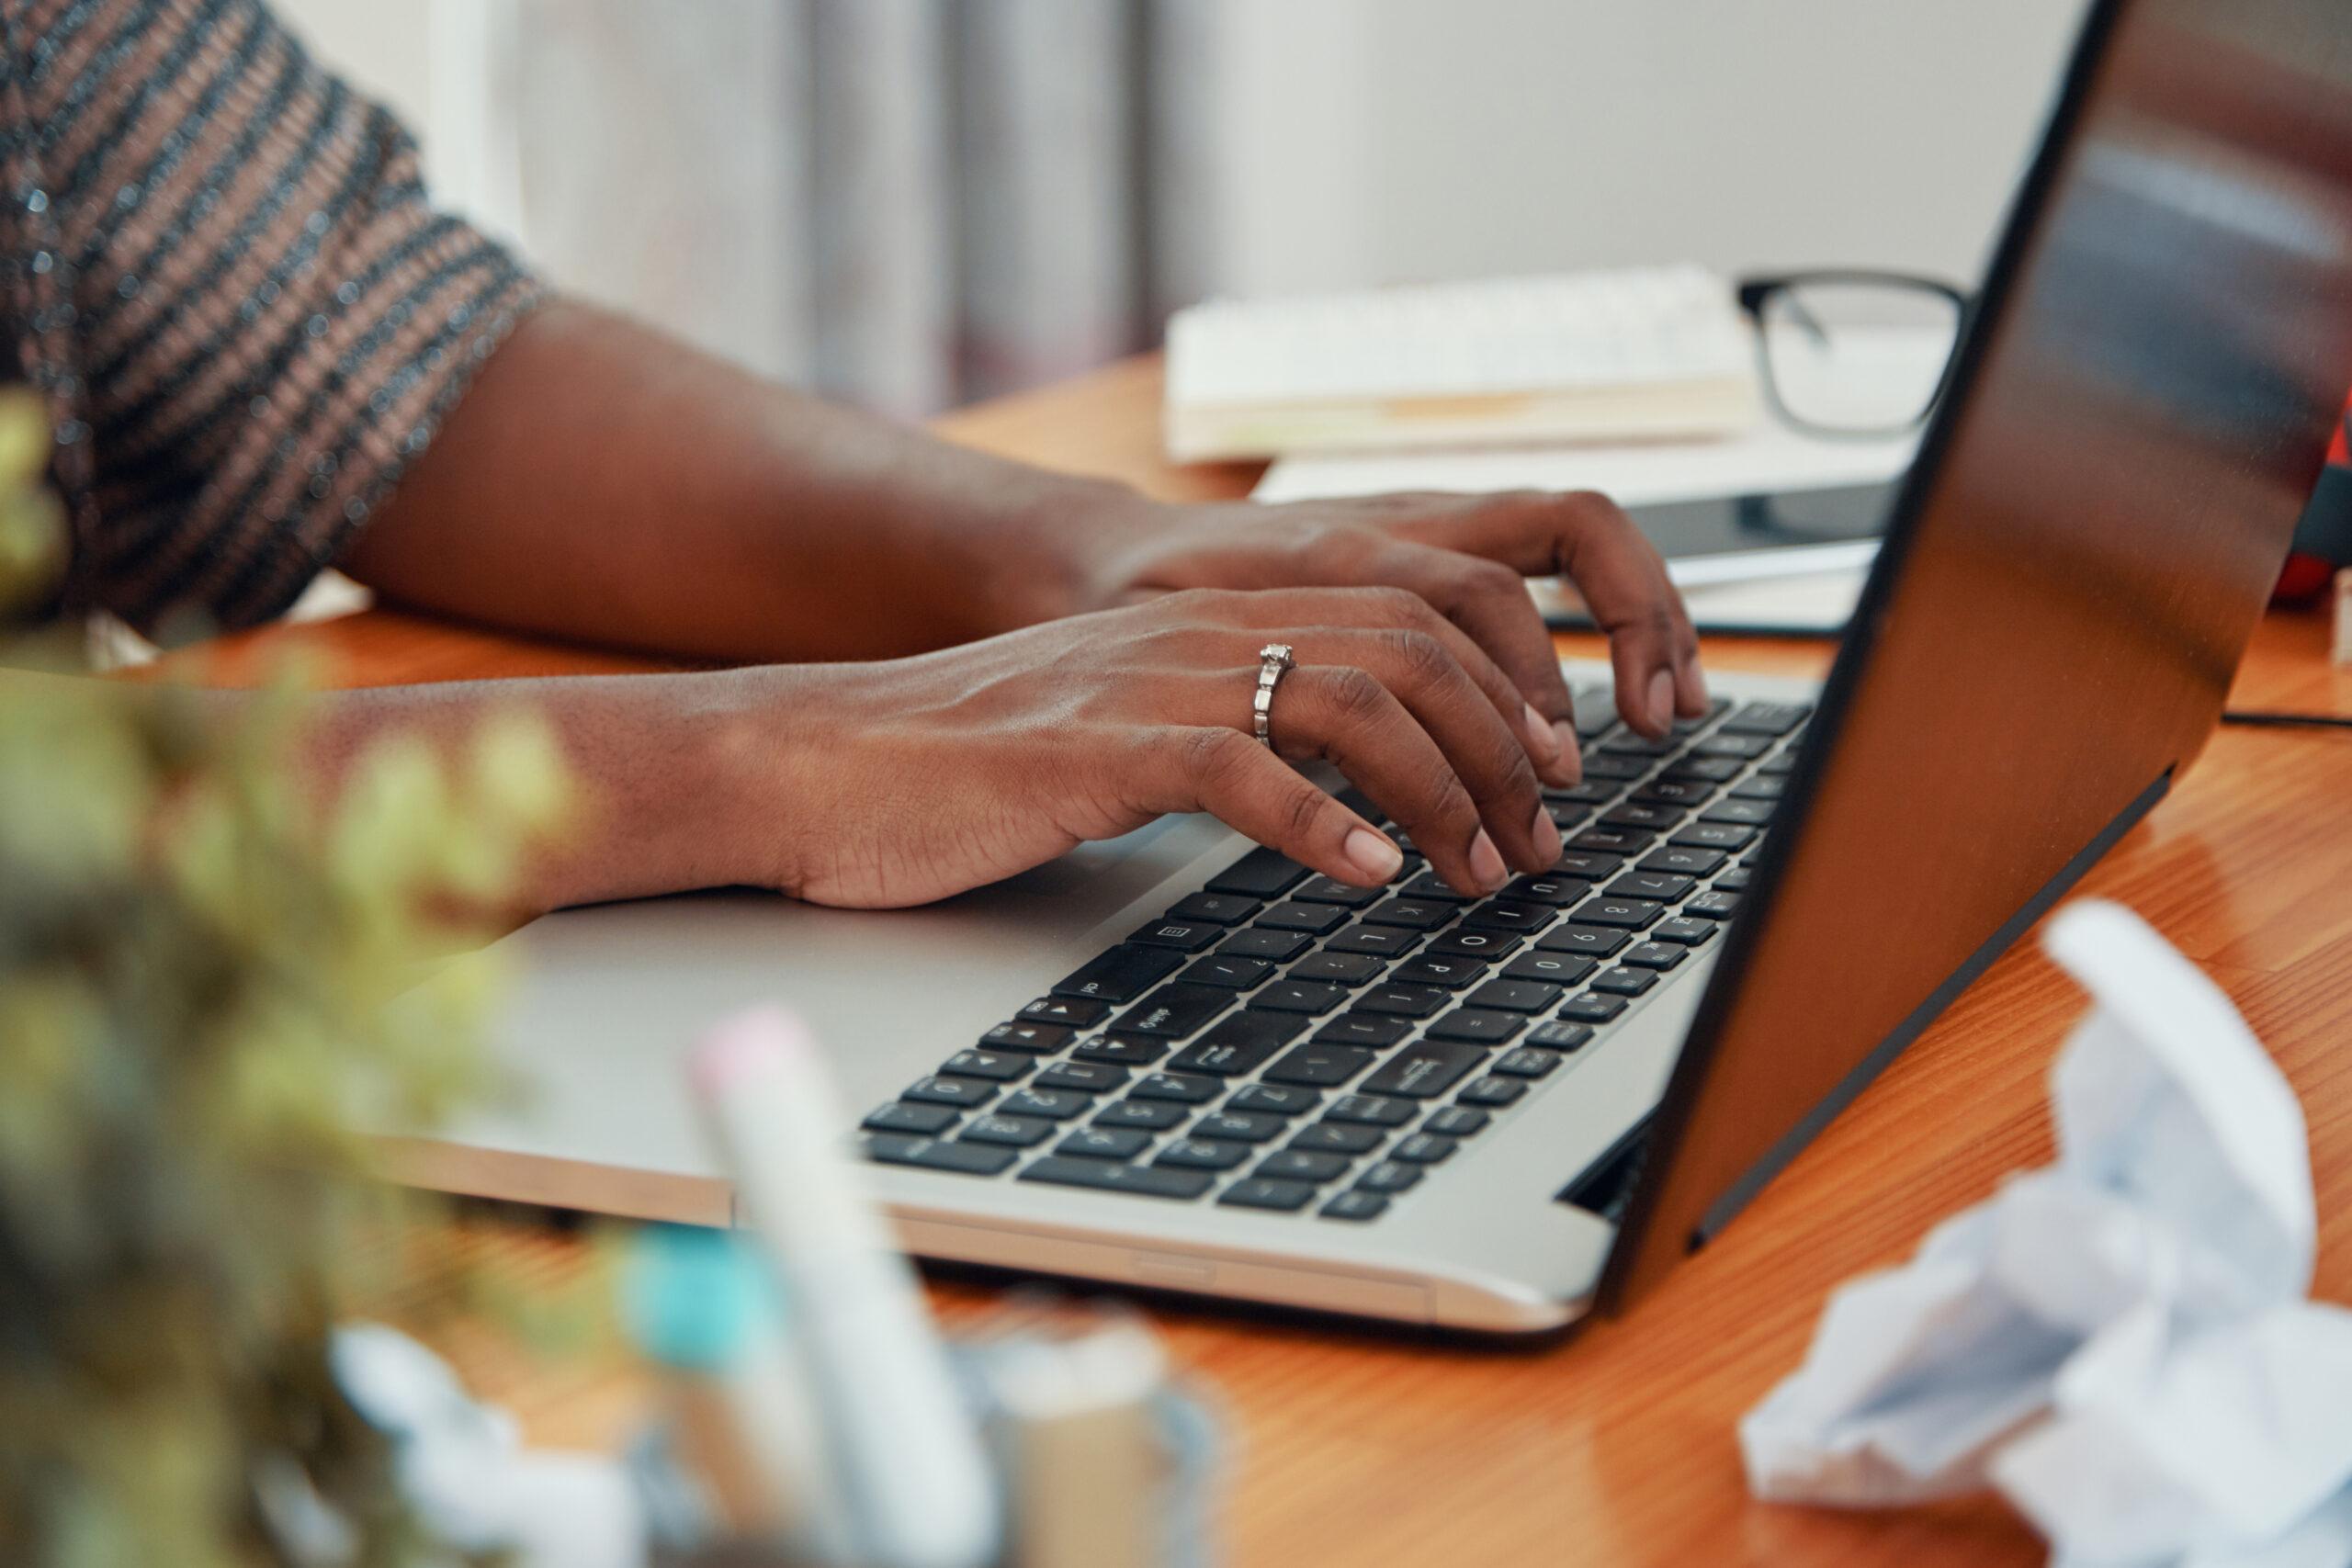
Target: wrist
{"type": "Point", "coordinates": [1080, 531]}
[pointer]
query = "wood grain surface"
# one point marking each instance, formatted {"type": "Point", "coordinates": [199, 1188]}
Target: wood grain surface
{"type": "Point", "coordinates": [1364, 1448]}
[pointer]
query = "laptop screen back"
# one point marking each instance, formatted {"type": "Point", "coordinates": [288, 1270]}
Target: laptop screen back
{"type": "Point", "coordinates": [2079, 558]}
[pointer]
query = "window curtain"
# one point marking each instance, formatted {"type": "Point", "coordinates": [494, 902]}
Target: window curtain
{"type": "Point", "coordinates": [907, 204]}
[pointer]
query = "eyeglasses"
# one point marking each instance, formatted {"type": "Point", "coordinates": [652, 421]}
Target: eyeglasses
{"type": "Point", "coordinates": [1854, 354]}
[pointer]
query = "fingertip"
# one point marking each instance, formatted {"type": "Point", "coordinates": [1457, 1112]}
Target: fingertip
{"type": "Point", "coordinates": [1372, 856]}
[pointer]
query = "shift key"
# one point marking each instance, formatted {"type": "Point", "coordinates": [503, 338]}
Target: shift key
{"type": "Point", "coordinates": [1421, 1071]}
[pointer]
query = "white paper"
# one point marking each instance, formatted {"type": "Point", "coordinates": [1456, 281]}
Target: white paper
{"type": "Point", "coordinates": [2117, 1342]}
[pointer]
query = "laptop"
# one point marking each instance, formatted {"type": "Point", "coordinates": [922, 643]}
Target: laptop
{"type": "Point", "coordinates": [1178, 1061]}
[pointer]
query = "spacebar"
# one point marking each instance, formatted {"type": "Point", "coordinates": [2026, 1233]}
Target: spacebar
{"type": "Point", "coordinates": [1152, 1181]}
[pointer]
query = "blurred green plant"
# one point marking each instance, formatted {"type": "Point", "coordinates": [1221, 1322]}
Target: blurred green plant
{"type": "Point", "coordinates": [198, 967]}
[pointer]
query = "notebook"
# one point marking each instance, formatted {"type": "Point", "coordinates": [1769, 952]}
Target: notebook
{"type": "Point", "coordinates": [1609, 356]}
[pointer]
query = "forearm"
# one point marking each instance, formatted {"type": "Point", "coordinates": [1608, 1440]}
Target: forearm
{"type": "Point", "coordinates": [604, 482]}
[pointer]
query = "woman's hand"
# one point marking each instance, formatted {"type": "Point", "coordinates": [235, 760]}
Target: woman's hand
{"type": "Point", "coordinates": [905, 781]}
{"type": "Point", "coordinates": [1462, 555]}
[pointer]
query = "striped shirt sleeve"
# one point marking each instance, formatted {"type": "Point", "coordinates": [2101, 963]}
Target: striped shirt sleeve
{"type": "Point", "coordinates": [264, 319]}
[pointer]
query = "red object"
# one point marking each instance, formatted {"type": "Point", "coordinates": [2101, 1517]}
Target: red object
{"type": "Point", "coordinates": [2306, 576]}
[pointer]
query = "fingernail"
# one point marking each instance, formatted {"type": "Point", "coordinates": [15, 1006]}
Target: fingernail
{"type": "Point", "coordinates": [1487, 863]}
{"type": "Point", "coordinates": [1547, 836]}
{"type": "Point", "coordinates": [1542, 741]}
{"type": "Point", "coordinates": [1371, 854]}
{"type": "Point", "coordinates": [1565, 733]}
{"type": "Point", "coordinates": [1662, 698]}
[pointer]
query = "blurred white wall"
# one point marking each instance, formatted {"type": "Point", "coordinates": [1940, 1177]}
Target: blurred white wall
{"type": "Point", "coordinates": [1389, 140]}
{"type": "Point", "coordinates": [1384, 141]}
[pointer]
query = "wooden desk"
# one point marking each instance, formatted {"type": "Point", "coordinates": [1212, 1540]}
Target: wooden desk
{"type": "Point", "coordinates": [1362, 1449]}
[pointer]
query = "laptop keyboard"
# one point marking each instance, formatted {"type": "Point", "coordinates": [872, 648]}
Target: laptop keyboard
{"type": "Point", "coordinates": [1282, 1041]}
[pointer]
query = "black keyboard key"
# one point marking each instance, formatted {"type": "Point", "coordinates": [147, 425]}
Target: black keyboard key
{"type": "Point", "coordinates": [1373, 1031]}
{"type": "Point", "coordinates": [1325, 890]}
{"type": "Point", "coordinates": [1513, 996]}
{"type": "Point", "coordinates": [1549, 892]}
{"type": "Point", "coordinates": [1254, 1028]}
{"type": "Point", "coordinates": [1143, 1115]}
{"type": "Point", "coordinates": [1056, 1104]}
{"type": "Point", "coordinates": [1233, 974]}
{"type": "Point", "coordinates": [1646, 818]}
{"type": "Point", "coordinates": [1114, 1052]}
{"type": "Point", "coordinates": [999, 1066]}
{"type": "Point", "coordinates": [1037, 1039]}
{"type": "Point", "coordinates": [1012, 1132]}
{"type": "Point", "coordinates": [1553, 969]}
{"type": "Point", "coordinates": [1760, 788]}
{"type": "Point", "coordinates": [1742, 813]}
{"type": "Point", "coordinates": [1267, 1192]}
{"type": "Point", "coordinates": [1225, 1058]}
{"type": "Point", "coordinates": [1338, 968]}
{"type": "Point", "coordinates": [1150, 1182]}
{"type": "Point", "coordinates": [1369, 1111]}
{"type": "Point", "coordinates": [963, 1092]}
{"type": "Point", "coordinates": [1709, 769]}
{"type": "Point", "coordinates": [1625, 743]}
{"type": "Point", "coordinates": [1713, 906]}
{"type": "Point", "coordinates": [1085, 1078]}
{"type": "Point", "coordinates": [1238, 1127]}
{"type": "Point", "coordinates": [1275, 1099]}
{"type": "Point", "coordinates": [1389, 1176]}
{"type": "Point", "coordinates": [1458, 1120]}
{"type": "Point", "coordinates": [1689, 933]}
{"type": "Point", "coordinates": [1479, 1026]}
{"type": "Point", "coordinates": [1556, 1035]}
{"type": "Point", "coordinates": [1336, 1138]}
{"type": "Point", "coordinates": [1493, 1092]}
{"type": "Point", "coordinates": [1079, 1012]}
{"type": "Point", "coordinates": [1264, 941]}
{"type": "Point", "coordinates": [1589, 942]}
{"type": "Point", "coordinates": [1714, 836]}
{"type": "Point", "coordinates": [1423, 1149]}
{"type": "Point", "coordinates": [1217, 908]}
{"type": "Point", "coordinates": [1402, 1002]}
{"type": "Point", "coordinates": [1200, 1154]}
{"type": "Point", "coordinates": [1623, 982]}
{"type": "Point", "coordinates": [1411, 914]}
{"type": "Point", "coordinates": [1768, 718]}
{"type": "Point", "coordinates": [934, 1153]}
{"type": "Point", "coordinates": [1520, 919]}
{"type": "Point", "coordinates": [1662, 887]}
{"type": "Point", "coordinates": [1606, 767]}
{"type": "Point", "coordinates": [1733, 881]}
{"type": "Point", "coordinates": [1354, 1205]}
{"type": "Point", "coordinates": [1613, 840]}
{"type": "Point", "coordinates": [1430, 885]}
{"type": "Point", "coordinates": [1587, 865]}
{"type": "Point", "coordinates": [1318, 1066]}
{"type": "Point", "coordinates": [1631, 914]}
{"type": "Point", "coordinates": [1464, 942]}
{"type": "Point", "coordinates": [1178, 1088]}
{"type": "Point", "coordinates": [1174, 1011]}
{"type": "Point", "coordinates": [1381, 942]}
{"type": "Point", "coordinates": [1591, 1009]}
{"type": "Point", "coordinates": [1526, 1062]}
{"type": "Point", "coordinates": [906, 1116]}
{"type": "Point", "coordinates": [1424, 1071]}
{"type": "Point", "coordinates": [1104, 1142]}
{"type": "Point", "coordinates": [1121, 975]}
{"type": "Point", "coordinates": [1727, 744]}
{"type": "Point", "coordinates": [1673, 860]}
{"type": "Point", "coordinates": [1260, 873]}
{"type": "Point", "coordinates": [1437, 969]}
{"type": "Point", "coordinates": [1312, 919]}
{"type": "Point", "coordinates": [1655, 955]}
{"type": "Point", "coordinates": [1682, 793]}
{"type": "Point", "coordinates": [1310, 997]}
{"type": "Point", "coordinates": [1301, 1165]}
{"type": "Point", "coordinates": [1184, 936]}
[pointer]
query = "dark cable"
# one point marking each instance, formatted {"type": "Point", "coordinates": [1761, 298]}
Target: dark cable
{"type": "Point", "coordinates": [2264, 719]}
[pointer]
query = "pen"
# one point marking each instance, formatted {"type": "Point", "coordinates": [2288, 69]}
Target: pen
{"type": "Point", "coordinates": [920, 1491]}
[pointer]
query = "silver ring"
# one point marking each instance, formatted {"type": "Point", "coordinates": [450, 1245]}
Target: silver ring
{"type": "Point", "coordinates": [1274, 659]}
